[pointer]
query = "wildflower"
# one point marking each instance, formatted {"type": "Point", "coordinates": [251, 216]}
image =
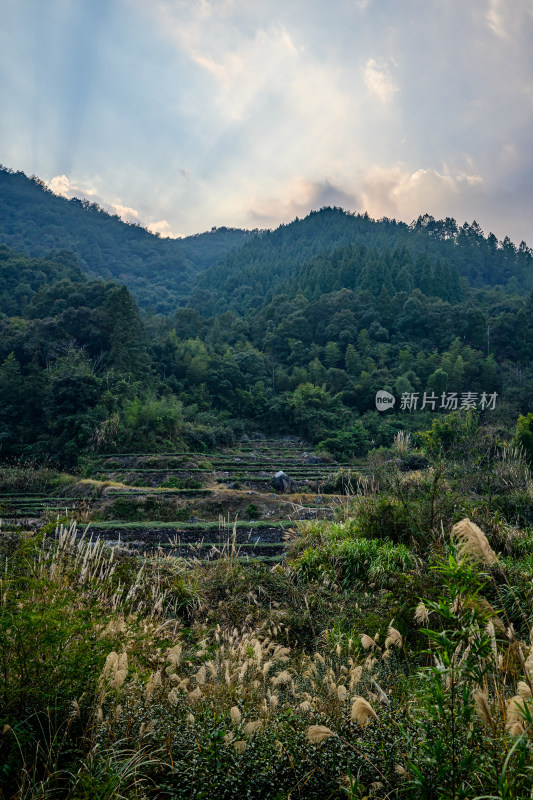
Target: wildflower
{"type": "Point", "coordinates": [369, 663]}
{"type": "Point", "coordinates": [529, 662]}
{"type": "Point", "coordinates": [212, 668]}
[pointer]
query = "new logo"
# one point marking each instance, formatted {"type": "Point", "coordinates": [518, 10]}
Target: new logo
{"type": "Point", "coordinates": [384, 400]}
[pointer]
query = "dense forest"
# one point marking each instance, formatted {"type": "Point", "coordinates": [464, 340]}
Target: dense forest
{"type": "Point", "coordinates": [293, 331]}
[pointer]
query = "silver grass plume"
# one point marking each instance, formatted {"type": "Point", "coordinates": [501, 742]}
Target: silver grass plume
{"type": "Point", "coordinates": [362, 711]}
{"type": "Point", "coordinates": [473, 544]}
{"type": "Point", "coordinates": [316, 734]}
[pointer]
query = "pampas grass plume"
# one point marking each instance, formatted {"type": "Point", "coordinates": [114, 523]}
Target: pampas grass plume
{"type": "Point", "coordinates": [316, 734]}
{"type": "Point", "coordinates": [367, 641]}
{"type": "Point", "coordinates": [421, 615]}
{"type": "Point", "coordinates": [523, 690]}
{"type": "Point", "coordinates": [362, 711]}
{"type": "Point", "coordinates": [252, 727]}
{"type": "Point", "coordinates": [342, 692]}
{"type": "Point", "coordinates": [482, 707]}
{"type": "Point", "coordinates": [394, 638]}
{"type": "Point", "coordinates": [195, 695]}
{"type": "Point", "coordinates": [355, 677]}
{"type": "Point", "coordinates": [235, 715]}
{"type": "Point", "coordinates": [173, 697]}
{"type": "Point", "coordinates": [515, 715]}
{"type": "Point", "coordinates": [401, 771]}
{"type": "Point", "coordinates": [473, 544]}
{"type": "Point", "coordinates": [201, 675]}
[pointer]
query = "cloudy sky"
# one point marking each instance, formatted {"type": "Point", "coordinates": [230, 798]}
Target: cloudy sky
{"type": "Point", "coordinates": [186, 114]}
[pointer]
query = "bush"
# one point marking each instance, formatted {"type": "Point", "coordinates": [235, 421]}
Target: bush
{"type": "Point", "coordinates": [385, 517]}
{"type": "Point", "coordinates": [348, 561]}
{"type": "Point", "coordinates": [351, 442]}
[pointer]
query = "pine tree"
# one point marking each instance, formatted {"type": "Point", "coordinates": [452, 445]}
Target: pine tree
{"type": "Point", "coordinates": [128, 348]}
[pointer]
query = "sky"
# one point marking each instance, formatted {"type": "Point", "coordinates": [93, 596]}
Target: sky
{"type": "Point", "coordinates": [183, 115]}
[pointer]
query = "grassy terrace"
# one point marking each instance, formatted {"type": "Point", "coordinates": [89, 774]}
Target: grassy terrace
{"type": "Point", "coordinates": [223, 527]}
{"type": "Point", "coordinates": [300, 468]}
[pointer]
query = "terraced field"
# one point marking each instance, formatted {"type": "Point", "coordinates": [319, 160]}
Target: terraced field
{"type": "Point", "coordinates": [194, 505]}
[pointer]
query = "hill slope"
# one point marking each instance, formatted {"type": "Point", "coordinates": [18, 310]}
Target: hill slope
{"type": "Point", "coordinates": [283, 260]}
{"type": "Point", "coordinates": [35, 221]}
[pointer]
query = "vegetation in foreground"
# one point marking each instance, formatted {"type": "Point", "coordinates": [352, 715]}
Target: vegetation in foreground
{"type": "Point", "coordinates": [388, 656]}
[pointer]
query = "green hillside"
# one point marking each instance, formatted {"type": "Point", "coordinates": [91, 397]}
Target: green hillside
{"type": "Point", "coordinates": [35, 221]}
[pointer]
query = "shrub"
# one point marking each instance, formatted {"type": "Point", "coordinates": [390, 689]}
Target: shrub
{"type": "Point", "coordinates": [385, 517]}
{"type": "Point", "coordinates": [252, 510]}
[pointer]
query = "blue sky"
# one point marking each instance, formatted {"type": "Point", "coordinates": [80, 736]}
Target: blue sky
{"type": "Point", "coordinates": [186, 114]}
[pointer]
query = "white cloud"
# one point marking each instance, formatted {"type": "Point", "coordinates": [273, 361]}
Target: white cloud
{"type": "Point", "coordinates": [164, 229]}
{"type": "Point", "coordinates": [506, 18]}
{"type": "Point", "coordinates": [379, 80]}
{"type": "Point", "coordinates": [125, 212]}
{"type": "Point", "coordinates": [66, 187]}
{"type": "Point", "coordinates": [397, 192]}
{"type": "Point", "coordinates": [63, 186]}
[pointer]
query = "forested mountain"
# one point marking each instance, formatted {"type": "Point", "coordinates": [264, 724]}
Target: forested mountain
{"type": "Point", "coordinates": [294, 331]}
{"type": "Point", "coordinates": [333, 249]}
{"type": "Point", "coordinates": [35, 221]}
